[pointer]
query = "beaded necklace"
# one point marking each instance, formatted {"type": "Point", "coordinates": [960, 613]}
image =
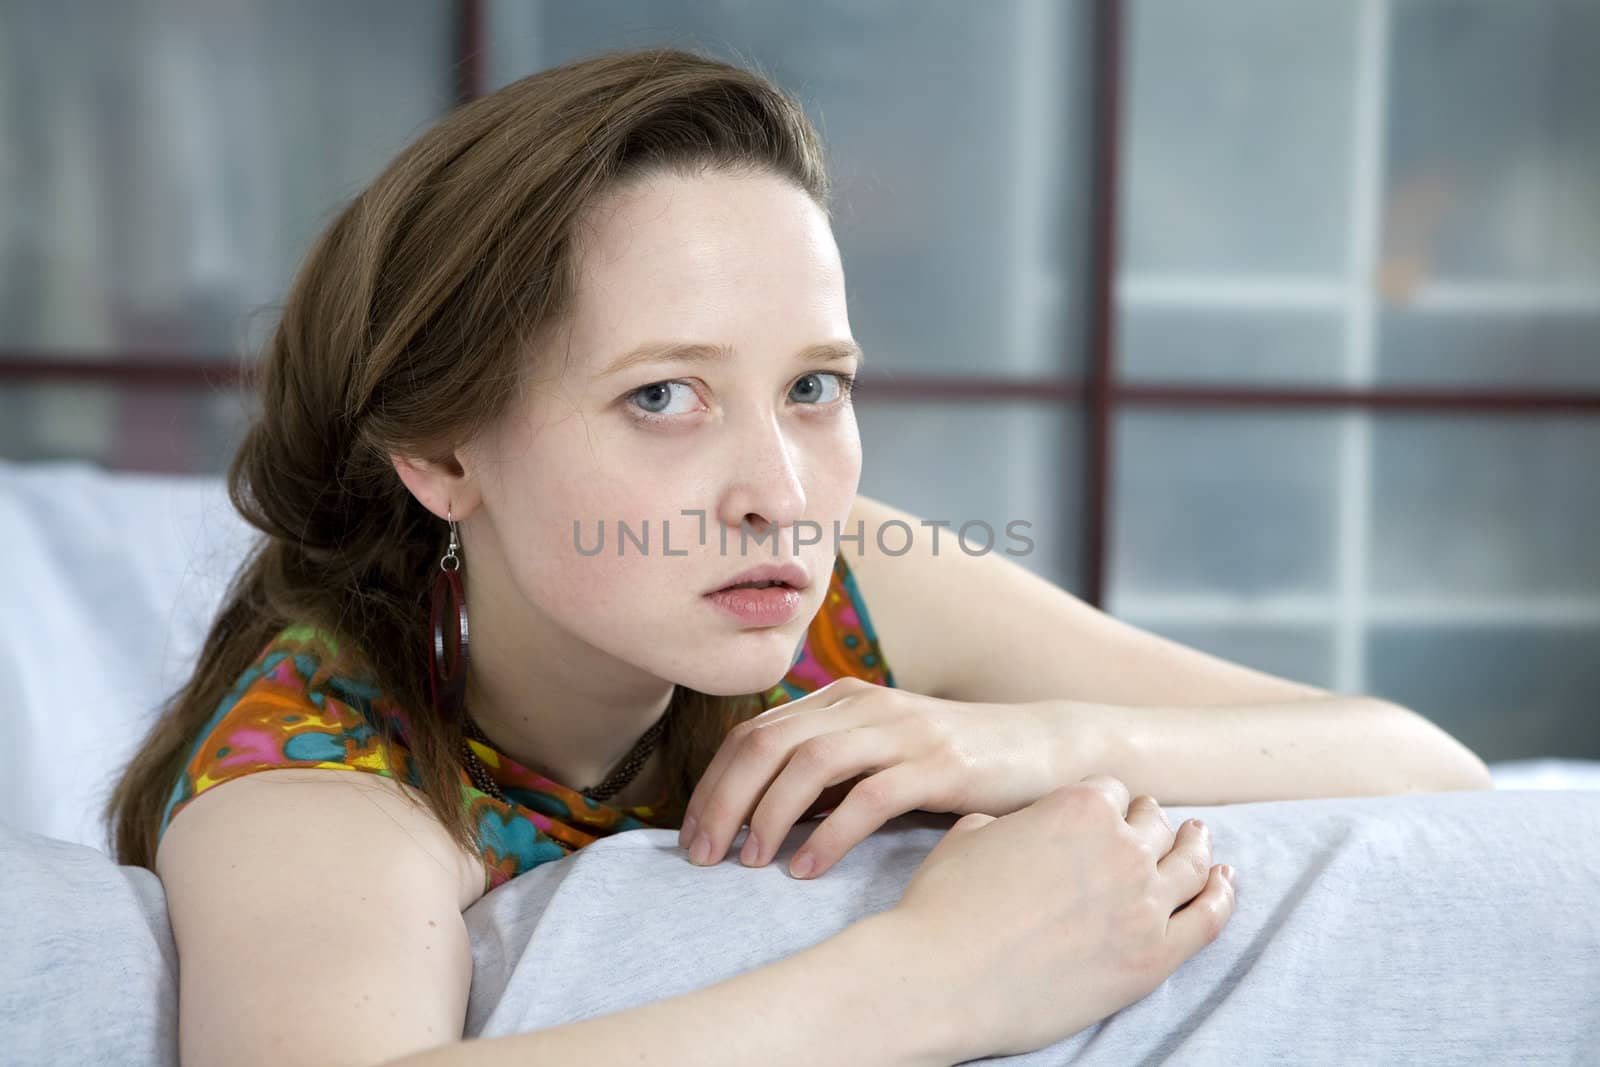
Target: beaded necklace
{"type": "Point", "coordinates": [613, 784]}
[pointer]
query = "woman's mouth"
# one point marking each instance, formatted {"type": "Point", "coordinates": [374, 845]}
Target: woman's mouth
{"type": "Point", "coordinates": [757, 603]}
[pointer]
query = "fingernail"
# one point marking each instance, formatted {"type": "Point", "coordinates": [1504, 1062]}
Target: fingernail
{"type": "Point", "coordinates": [1198, 825]}
{"type": "Point", "coordinates": [1227, 872]}
{"type": "Point", "coordinates": [687, 833]}
{"type": "Point", "coordinates": [751, 851]}
{"type": "Point", "coordinates": [801, 865]}
{"type": "Point", "coordinates": [701, 851]}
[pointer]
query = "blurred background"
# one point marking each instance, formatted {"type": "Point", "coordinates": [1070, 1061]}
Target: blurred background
{"type": "Point", "coordinates": [1280, 321]}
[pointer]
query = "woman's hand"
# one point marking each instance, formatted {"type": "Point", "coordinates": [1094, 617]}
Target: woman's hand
{"type": "Point", "coordinates": [867, 753]}
{"type": "Point", "coordinates": [1086, 901]}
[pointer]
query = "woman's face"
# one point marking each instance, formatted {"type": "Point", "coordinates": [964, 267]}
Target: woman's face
{"type": "Point", "coordinates": [758, 439]}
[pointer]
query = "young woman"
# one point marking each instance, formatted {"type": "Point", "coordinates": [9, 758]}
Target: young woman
{"type": "Point", "coordinates": [606, 297]}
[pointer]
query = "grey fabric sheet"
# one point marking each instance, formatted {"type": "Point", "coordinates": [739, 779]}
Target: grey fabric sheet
{"type": "Point", "coordinates": [88, 968]}
{"type": "Point", "coordinates": [1446, 928]}
{"type": "Point", "coordinates": [1442, 928]}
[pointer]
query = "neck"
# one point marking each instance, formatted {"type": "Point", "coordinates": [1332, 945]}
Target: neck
{"type": "Point", "coordinates": [556, 704]}
{"type": "Point", "coordinates": [580, 752]}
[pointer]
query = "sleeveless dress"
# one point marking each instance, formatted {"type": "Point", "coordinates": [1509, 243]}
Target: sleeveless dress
{"type": "Point", "coordinates": [300, 705]}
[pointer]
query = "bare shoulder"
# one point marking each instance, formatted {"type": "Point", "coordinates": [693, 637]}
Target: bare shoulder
{"type": "Point", "coordinates": [911, 596]}
{"type": "Point", "coordinates": [285, 804]}
{"type": "Point", "coordinates": [317, 913]}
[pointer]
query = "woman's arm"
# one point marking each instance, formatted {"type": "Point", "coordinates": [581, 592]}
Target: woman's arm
{"type": "Point", "coordinates": [847, 1000]}
{"type": "Point", "coordinates": [1330, 747]}
{"type": "Point", "coordinates": [318, 919]}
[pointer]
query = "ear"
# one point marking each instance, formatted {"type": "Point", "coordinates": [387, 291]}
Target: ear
{"type": "Point", "coordinates": [441, 486]}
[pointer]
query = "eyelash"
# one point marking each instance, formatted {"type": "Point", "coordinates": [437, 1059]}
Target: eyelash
{"type": "Point", "coordinates": [847, 390]}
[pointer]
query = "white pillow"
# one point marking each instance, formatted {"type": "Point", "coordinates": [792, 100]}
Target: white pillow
{"type": "Point", "coordinates": [110, 582]}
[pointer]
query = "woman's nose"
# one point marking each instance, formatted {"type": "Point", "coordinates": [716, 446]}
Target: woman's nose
{"type": "Point", "coordinates": [765, 489]}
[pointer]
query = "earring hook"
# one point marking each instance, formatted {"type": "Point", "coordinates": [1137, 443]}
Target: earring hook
{"type": "Point", "coordinates": [451, 561]}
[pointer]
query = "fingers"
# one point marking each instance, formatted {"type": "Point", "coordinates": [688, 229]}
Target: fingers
{"type": "Point", "coordinates": [749, 757]}
{"type": "Point", "coordinates": [1185, 868]}
{"type": "Point", "coordinates": [972, 820]}
{"type": "Point", "coordinates": [727, 802]}
{"type": "Point", "coordinates": [750, 760]}
{"type": "Point", "coordinates": [1203, 897]}
{"type": "Point", "coordinates": [1113, 788]}
{"type": "Point", "coordinates": [873, 802]}
{"type": "Point", "coordinates": [772, 805]}
{"type": "Point", "coordinates": [711, 777]}
{"type": "Point", "coordinates": [1197, 923]}
{"type": "Point", "coordinates": [822, 762]}
{"type": "Point", "coordinates": [1150, 823]}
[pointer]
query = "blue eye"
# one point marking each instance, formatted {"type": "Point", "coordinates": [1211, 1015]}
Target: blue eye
{"type": "Point", "coordinates": [843, 383]}
{"type": "Point", "coordinates": [658, 395]}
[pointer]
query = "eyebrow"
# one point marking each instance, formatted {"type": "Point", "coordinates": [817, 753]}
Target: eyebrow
{"type": "Point", "coordinates": [683, 352]}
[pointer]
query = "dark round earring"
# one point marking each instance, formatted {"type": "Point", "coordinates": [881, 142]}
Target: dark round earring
{"type": "Point", "coordinates": [447, 668]}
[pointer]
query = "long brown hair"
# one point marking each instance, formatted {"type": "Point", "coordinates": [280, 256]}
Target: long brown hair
{"type": "Point", "coordinates": [412, 313]}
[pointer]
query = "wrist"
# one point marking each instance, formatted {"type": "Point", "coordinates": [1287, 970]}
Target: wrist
{"type": "Point", "coordinates": [1089, 741]}
{"type": "Point", "coordinates": [926, 983]}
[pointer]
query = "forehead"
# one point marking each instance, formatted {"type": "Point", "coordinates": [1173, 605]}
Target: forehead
{"type": "Point", "coordinates": [737, 259]}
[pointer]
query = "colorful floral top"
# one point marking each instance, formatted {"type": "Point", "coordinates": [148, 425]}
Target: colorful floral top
{"type": "Point", "coordinates": [299, 705]}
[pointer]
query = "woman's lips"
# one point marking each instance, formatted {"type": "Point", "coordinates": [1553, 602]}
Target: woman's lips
{"type": "Point", "coordinates": [772, 606]}
{"type": "Point", "coordinates": [789, 573]}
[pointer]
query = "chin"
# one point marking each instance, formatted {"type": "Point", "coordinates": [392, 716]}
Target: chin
{"type": "Point", "coordinates": [751, 671]}
{"type": "Point", "coordinates": [740, 684]}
